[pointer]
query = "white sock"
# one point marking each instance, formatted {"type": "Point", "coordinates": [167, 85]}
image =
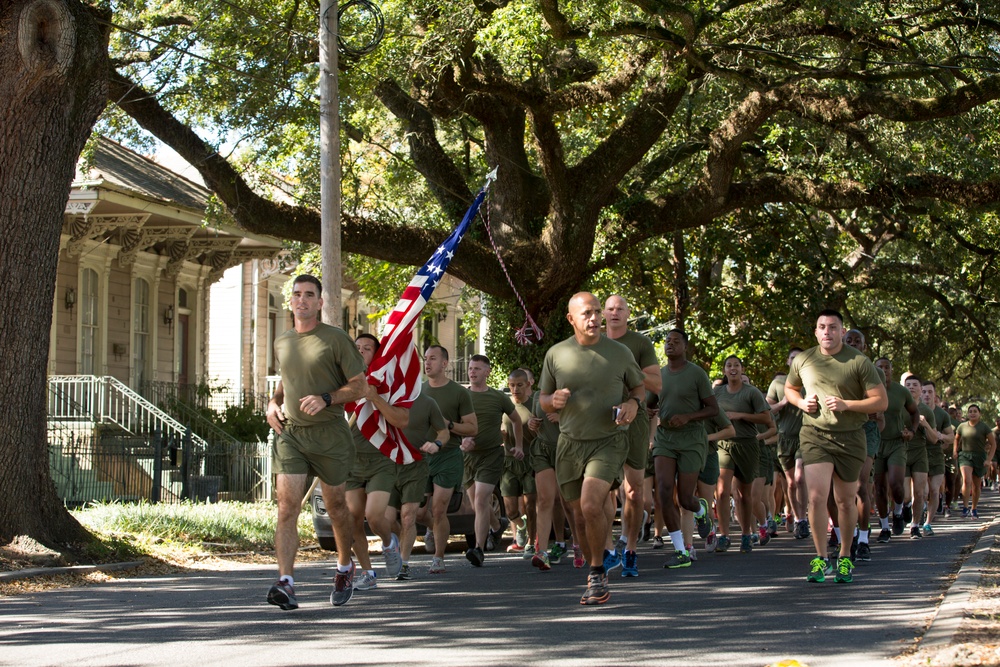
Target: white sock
{"type": "Point", "coordinates": [863, 536]}
{"type": "Point", "coordinates": [897, 509]}
{"type": "Point", "coordinates": [701, 511]}
{"type": "Point", "coordinates": [372, 572]}
{"type": "Point", "coordinates": [884, 521]}
{"type": "Point", "coordinates": [287, 578]}
{"type": "Point", "coordinates": [343, 568]}
{"type": "Point", "coordinates": [677, 538]}
{"type": "Point", "coordinates": [836, 531]}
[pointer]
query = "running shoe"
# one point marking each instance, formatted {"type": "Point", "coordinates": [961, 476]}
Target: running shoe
{"type": "Point", "coordinates": [677, 560]}
{"type": "Point", "coordinates": [844, 569]}
{"type": "Point", "coordinates": [365, 581]}
{"type": "Point", "coordinates": [833, 542]}
{"type": "Point", "coordinates": [928, 531]}
{"type": "Point", "coordinates": [965, 512]}
{"type": "Point", "coordinates": [282, 594]}
{"type": "Point", "coordinates": [475, 556]}
{"type": "Point", "coordinates": [884, 535]}
{"type": "Point", "coordinates": [692, 552]}
{"type": "Point", "coordinates": [772, 527]}
{"type": "Point", "coordinates": [801, 530]}
{"type": "Point", "coordinates": [907, 513]}
{"type": "Point", "coordinates": [705, 521]}
{"type": "Point", "coordinates": [711, 542]}
{"type": "Point", "coordinates": [404, 573]}
{"type": "Point", "coordinates": [947, 511]}
{"type": "Point", "coordinates": [765, 535]}
{"type": "Point", "coordinates": [657, 542]}
{"type": "Point", "coordinates": [746, 544]}
{"type": "Point", "coordinates": [818, 569]}
{"type": "Point", "coordinates": [915, 533]}
{"type": "Point", "coordinates": [898, 524]}
{"type": "Point", "coordinates": [620, 546]}
{"type": "Point", "coordinates": [541, 561]}
{"type": "Point", "coordinates": [521, 534]}
{"type": "Point", "coordinates": [597, 589]}
{"type": "Point", "coordinates": [390, 554]}
{"type": "Point", "coordinates": [647, 528]}
{"type": "Point", "coordinates": [429, 541]}
{"type": "Point", "coordinates": [529, 551]}
{"type": "Point", "coordinates": [556, 553]}
{"type": "Point", "coordinates": [514, 548]}
{"type": "Point", "coordinates": [578, 560]}
{"type": "Point", "coordinates": [492, 540]}
{"type": "Point", "coordinates": [343, 587]}
{"type": "Point", "coordinates": [723, 543]}
{"type": "Point", "coordinates": [975, 513]}
{"type": "Point", "coordinates": [611, 560]}
{"type": "Point", "coordinates": [864, 552]}
{"type": "Point", "coordinates": [437, 566]}
{"type": "Point", "coordinates": [805, 528]}
{"type": "Point", "coordinates": [630, 565]}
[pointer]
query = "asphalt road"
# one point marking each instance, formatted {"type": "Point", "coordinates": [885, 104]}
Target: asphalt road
{"type": "Point", "coordinates": [727, 609]}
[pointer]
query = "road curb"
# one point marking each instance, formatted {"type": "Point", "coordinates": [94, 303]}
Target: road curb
{"type": "Point", "coordinates": [71, 569]}
{"type": "Point", "coordinates": [951, 611]}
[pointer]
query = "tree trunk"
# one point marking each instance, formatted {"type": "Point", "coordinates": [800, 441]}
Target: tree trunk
{"type": "Point", "coordinates": [53, 68]}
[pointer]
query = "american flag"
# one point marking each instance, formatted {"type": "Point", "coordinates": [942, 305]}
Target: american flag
{"type": "Point", "coordinates": [395, 370]}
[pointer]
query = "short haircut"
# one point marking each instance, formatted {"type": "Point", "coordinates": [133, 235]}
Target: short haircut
{"type": "Point", "coordinates": [931, 383]}
{"type": "Point", "coordinates": [518, 374]}
{"type": "Point", "coordinates": [370, 337]}
{"type": "Point", "coordinates": [313, 280]}
{"type": "Point", "coordinates": [444, 352]}
{"type": "Point", "coordinates": [830, 312]}
{"type": "Point", "coordinates": [884, 359]}
{"type": "Point", "coordinates": [481, 358]}
{"type": "Point", "coordinates": [974, 405]}
{"type": "Point", "coordinates": [679, 332]}
{"type": "Point", "coordinates": [796, 349]}
{"type": "Point", "coordinates": [779, 374]}
{"type": "Point", "coordinates": [914, 376]}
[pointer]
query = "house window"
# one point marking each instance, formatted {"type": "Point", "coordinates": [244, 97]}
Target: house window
{"type": "Point", "coordinates": [140, 331]}
{"type": "Point", "coordinates": [88, 321]}
{"type": "Point", "coordinates": [428, 331]}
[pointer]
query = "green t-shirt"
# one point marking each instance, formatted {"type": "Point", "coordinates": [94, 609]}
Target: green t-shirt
{"type": "Point", "coordinates": [548, 432]}
{"type": "Point", "coordinates": [748, 399]}
{"type": "Point", "coordinates": [897, 415]}
{"type": "Point", "coordinates": [973, 438]}
{"type": "Point", "coordinates": [527, 437]}
{"type": "Point", "coordinates": [848, 375]}
{"type": "Point", "coordinates": [319, 361]}
{"type": "Point", "coordinates": [920, 437]}
{"type": "Point", "coordinates": [682, 393]}
{"type": "Point", "coordinates": [714, 425]}
{"type": "Point", "coordinates": [454, 401]}
{"type": "Point", "coordinates": [641, 347]}
{"type": "Point", "coordinates": [597, 376]}
{"type": "Point", "coordinates": [425, 421]}
{"type": "Point", "coordinates": [490, 406]}
{"type": "Point", "coordinates": [789, 418]}
{"type": "Point", "coordinates": [942, 420]}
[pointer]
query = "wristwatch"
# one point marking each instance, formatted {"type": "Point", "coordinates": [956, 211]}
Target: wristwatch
{"type": "Point", "coordinates": [637, 400]}
{"type": "Point", "coordinates": [451, 424]}
{"type": "Point", "coordinates": [327, 399]}
{"type": "Point", "coordinates": [438, 443]}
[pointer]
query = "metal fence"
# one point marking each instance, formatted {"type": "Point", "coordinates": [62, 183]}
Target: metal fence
{"type": "Point", "coordinates": [89, 464]}
{"type": "Point", "coordinates": [202, 396]}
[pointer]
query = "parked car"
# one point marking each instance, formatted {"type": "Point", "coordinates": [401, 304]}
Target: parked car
{"type": "Point", "coordinates": [461, 516]}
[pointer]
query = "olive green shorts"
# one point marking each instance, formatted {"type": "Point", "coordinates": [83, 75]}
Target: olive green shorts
{"type": "Point", "coordinates": [323, 450]}
{"type": "Point", "coordinates": [650, 466]}
{"type": "Point", "coordinates": [638, 441]}
{"type": "Point", "coordinates": [873, 438]}
{"type": "Point", "coordinates": [577, 459]}
{"type": "Point", "coordinates": [935, 460]}
{"type": "Point", "coordinates": [411, 483]}
{"type": "Point", "coordinates": [710, 473]}
{"type": "Point", "coordinates": [543, 455]}
{"type": "Point", "coordinates": [766, 468]}
{"type": "Point", "coordinates": [846, 450]}
{"type": "Point", "coordinates": [688, 449]}
{"type": "Point", "coordinates": [788, 451]}
{"type": "Point", "coordinates": [484, 466]}
{"type": "Point", "coordinates": [916, 458]}
{"type": "Point", "coordinates": [372, 471]}
{"type": "Point", "coordinates": [890, 453]}
{"type": "Point", "coordinates": [518, 478]}
{"type": "Point", "coordinates": [742, 456]}
{"type": "Point", "coordinates": [445, 469]}
{"type": "Point", "coordinates": [974, 460]}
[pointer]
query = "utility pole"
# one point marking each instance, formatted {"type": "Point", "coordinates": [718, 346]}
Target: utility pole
{"type": "Point", "coordinates": [329, 138]}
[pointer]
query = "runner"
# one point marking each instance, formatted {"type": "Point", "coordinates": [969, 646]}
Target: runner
{"type": "Point", "coordinates": [584, 378]}
{"type": "Point", "coordinates": [789, 420]}
{"type": "Point", "coordinates": [445, 467]}
{"type": "Point", "coordinates": [901, 420]}
{"type": "Point", "coordinates": [936, 455]}
{"type": "Point", "coordinates": [917, 461]}
{"type": "Point", "coordinates": [836, 387]}
{"type": "Point", "coordinates": [321, 370]}
{"type": "Point", "coordinates": [517, 484]}
{"type": "Point", "coordinates": [974, 448]}
{"type": "Point", "coordinates": [680, 446]}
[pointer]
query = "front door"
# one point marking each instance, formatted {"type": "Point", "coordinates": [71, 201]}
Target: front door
{"type": "Point", "coordinates": [184, 358]}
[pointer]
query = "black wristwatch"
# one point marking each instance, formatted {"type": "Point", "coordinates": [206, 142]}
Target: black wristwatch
{"type": "Point", "coordinates": [451, 425]}
{"type": "Point", "coordinates": [326, 397]}
{"type": "Point", "coordinates": [438, 443]}
{"type": "Point", "coordinates": [638, 401]}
